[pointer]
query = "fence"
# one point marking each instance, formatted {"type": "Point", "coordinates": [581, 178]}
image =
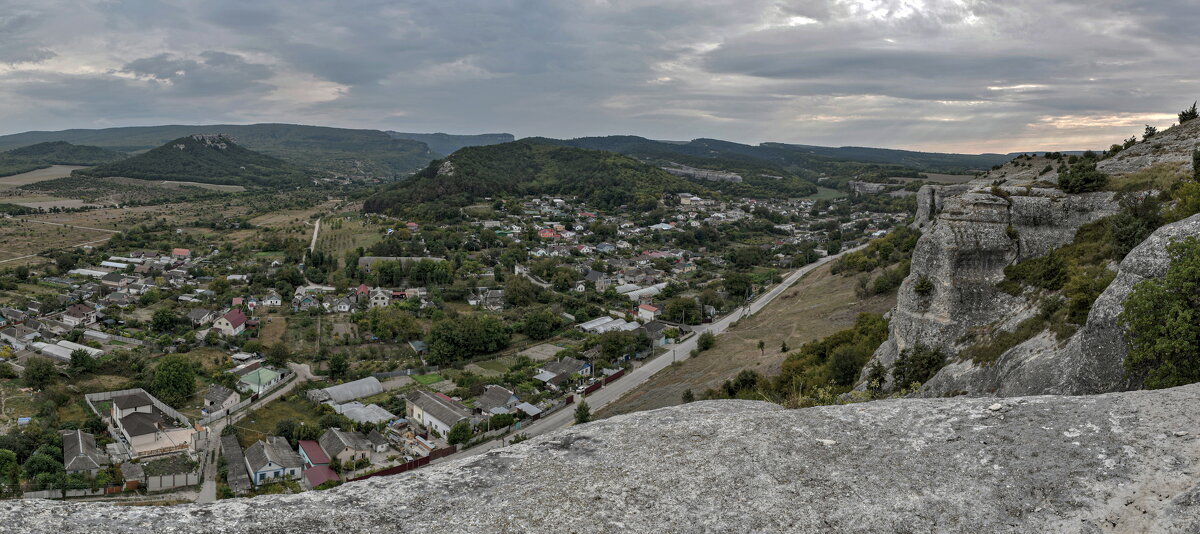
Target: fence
{"type": "Point", "coordinates": [409, 466]}
{"type": "Point", "coordinates": [93, 398]}
{"type": "Point", "coordinates": [166, 482]}
{"type": "Point", "coordinates": [608, 379]}
{"type": "Point", "coordinates": [60, 494]}
{"type": "Point", "coordinates": [592, 388]}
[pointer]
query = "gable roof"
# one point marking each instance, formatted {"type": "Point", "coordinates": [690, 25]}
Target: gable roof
{"type": "Point", "coordinates": [141, 423]}
{"type": "Point", "coordinates": [217, 394]}
{"type": "Point", "coordinates": [79, 451]}
{"type": "Point", "coordinates": [319, 474]}
{"type": "Point", "coordinates": [132, 400]}
{"type": "Point", "coordinates": [79, 310]}
{"type": "Point", "coordinates": [494, 397]}
{"type": "Point", "coordinates": [235, 317]}
{"type": "Point", "coordinates": [274, 451]}
{"type": "Point", "coordinates": [316, 455]}
{"type": "Point", "coordinates": [440, 407]}
{"type": "Point", "coordinates": [336, 440]}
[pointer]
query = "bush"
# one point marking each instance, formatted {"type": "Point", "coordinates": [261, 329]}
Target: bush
{"type": "Point", "coordinates": [1046, 272]}
{"type": "Point", "coordinates": [917, 365]}
{"type": "Point", "coordinates": [1159, 320]}
{"type": "Point", "coordinates": [923, 287]}
{"type": "Point", "coordinates": [706, 341]}
{"type": "Point", "coordinates": [1188, 114]}
{"type": "Point", "coordinates": [1082, 177]}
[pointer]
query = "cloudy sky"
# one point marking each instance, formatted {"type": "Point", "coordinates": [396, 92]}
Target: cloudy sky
{"type": "Point", "coordinates": [954, 75]}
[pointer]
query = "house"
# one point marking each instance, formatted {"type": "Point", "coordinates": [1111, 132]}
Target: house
{"type": "Point", "coordinates": [435, 411]}
{"type": "Point", "coordinates": [236, 477]}
{"type": "Point", "coordinates": [345, 446]}
{"type": "Point", "coordinates": [566, 367]}
{"type": "Point", "coordinates": [80, 454]}
{"type": "Point", "coordinates": [181, 253]}
{"type": "Point", "coordinates": [496, 400]}
{"type": "Point", "coordinates": [647, 312]}
{"type": "Point", "coordinates": [145, 428]}
{"type": "Point", "coordinates": [378, 442]}
{"type": "Point", "coordinates": [232, 323]}
{"type": "Point", "coordinates": [219, 397]}
{"type": "Point", "coordinates": [272, 300]}
{"type": "Point", "coordinates": [312, 454]}
{"type": "Point", "coordinates": [79, 315]}
{"type": "Point", "coordinates": [258, 380]}
{"type": "Point", "coordinates": [19, 336]}
{"type": "Point", "coordinates": [200, 316]}
{"type": "Point", "coordinates": [343, 305]}
{"type": "Point", "coordinates": [656, 332]}
{"type": "Point", "coordinates": [315, 476]}
{"type": "Point", "coordinates": [271, 460]}
{"type": "Point", "coordinates": [380, 297]}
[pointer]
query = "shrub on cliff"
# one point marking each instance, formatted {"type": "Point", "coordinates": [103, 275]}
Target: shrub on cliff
{"type": "Point", "coordinates": [1160, 320]}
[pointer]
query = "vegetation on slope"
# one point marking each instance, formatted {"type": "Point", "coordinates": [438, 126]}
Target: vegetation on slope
{"type": "Point", "coordinates": [337, 150]}
{"type": "Point", "coordinates": [1160, 317]}
{"type": "Point", "coordinates": [446, 144]}
{"type": "Point", "coordinates": [42, 155]}
{"type": "Point", "coordinates": [204, 159]}
{"type": "Point", "coordinates": [601, 179]}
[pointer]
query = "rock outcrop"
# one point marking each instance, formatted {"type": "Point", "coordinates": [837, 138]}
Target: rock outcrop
{"type": "Point", "coordinates": [1092, 360]}
{"type": "Point", "coordinates": [1173, 146]}
{"type": "Point", "coordinates": [963, 254]}
{"type": "Point", "coordinates": [1112, 463]}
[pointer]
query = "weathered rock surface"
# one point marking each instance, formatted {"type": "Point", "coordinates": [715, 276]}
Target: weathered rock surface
{"type": "Point", "coordinates": [1172, 146]}
{"type": "Point", "coordinates": [1092, 360]}
{"type": "Point", "coordinates": [963, 253]}
{"type": "Point", "coordinates": [1113, 463]}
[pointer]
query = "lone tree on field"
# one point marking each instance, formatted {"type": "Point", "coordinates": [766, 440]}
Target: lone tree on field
{"type": "Point", "coordinates": [762, 345]}
{"type": "Point", "coordinates": [1188, 114]}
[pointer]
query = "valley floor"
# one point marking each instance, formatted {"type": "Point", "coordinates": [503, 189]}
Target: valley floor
{"type": "Point", "coordinates": [818, 305]}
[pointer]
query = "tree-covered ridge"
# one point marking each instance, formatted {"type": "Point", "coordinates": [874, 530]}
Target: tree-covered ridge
{"type": "Point", "coordinates": [42, 155]}
{"type": "Point", "coordinates": [601, 179]}
{"type": "Point", "coordinates": [443, 144]}
{"type": "Point", "coordinates": [338, 150]}
{"type": "Point", "coordinates": [210, 159]}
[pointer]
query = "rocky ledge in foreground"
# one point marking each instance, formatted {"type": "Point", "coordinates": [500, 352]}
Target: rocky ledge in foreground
{"type": "Point", "coordinates": [1123, 462]}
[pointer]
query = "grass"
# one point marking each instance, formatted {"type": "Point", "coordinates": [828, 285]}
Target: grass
{"type": "Point", "coordinates": [1160, 176]}
{"type": "Point", "coordinates": [431, 378]}
{"type": "Point", "coordinates": [262, 422]}
{"type": "Point", "coordinates": [494, 365]}
{"type": "Point", "coordinates": [825, 193]}
{"type": "Point", "coordinates": [820, 304]}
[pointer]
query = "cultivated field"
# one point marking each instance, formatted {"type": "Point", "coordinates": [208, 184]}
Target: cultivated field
{"type": "Point", "coordinates": [32, 177]}
{"type": "Point", "coordinates": [817, 306]}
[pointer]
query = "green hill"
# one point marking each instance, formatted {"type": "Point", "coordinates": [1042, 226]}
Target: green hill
{"type": "Point", "coordinates": [602, 179]}
{"type": "Point", "coordinates": [42, 155]}
{"type": "Point", "coordinates": [448, 143]}
{"type": "Point", "coordinates": [210, 159]}
{"type": "Point", "coordinates": [338, 150]}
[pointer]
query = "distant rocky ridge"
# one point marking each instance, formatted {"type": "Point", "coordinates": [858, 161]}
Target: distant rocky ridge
{"type": "Point", "coordinates": [1111, 463]}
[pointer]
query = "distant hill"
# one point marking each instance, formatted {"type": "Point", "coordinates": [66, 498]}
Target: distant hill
{"type": "Point", "coordinates": [925, 161]}
{"type": "Point", "coordinates": [338, 150]}
{"type": "Point", "coordinates": [42, 155]}
{"type": "Point", "coordinates": [603, 179]}
{"type": "Point", "coordinates": [446, 144]}
{"type": "Point", "coordinates": [210, 159]}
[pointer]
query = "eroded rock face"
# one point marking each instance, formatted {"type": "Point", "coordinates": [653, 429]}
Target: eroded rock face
{"type": "Point", "coordinates": [1173, 146]}
{"type": "Point", "coordinates": [1092, 360]}
{"type": "Point", "coordinates": [1113, 463]}
{"type": "Point", "coordinates": [976, 234]}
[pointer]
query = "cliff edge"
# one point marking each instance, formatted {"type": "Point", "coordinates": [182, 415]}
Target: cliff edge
{"type": "Point", "coordinates": [1122, 462]}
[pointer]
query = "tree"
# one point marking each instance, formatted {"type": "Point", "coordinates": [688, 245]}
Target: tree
{"type": "Point", "coordinates": [174, 380]}
{"type": "Point", "coordinates": [338, 366]}
{"type": "Point", "coordinates": [784, 347]}
{"type": "Point", "coordinates": [1188, 114]}
{"type": "Point", "coordinates": [688, 396]}
{"type": "Point", "coordinates": [39, 373]}
{"type": "Point", "coordinates": [706, 341]}
{"type": "Point", "coordinates": [583, 413]}
{"type": "Point", "coordinates": [278, 355]}
{"type": "Point", "coordinates": [1160, 321]}
{"type": "Point", "coordinates": [762, 348]}
{"type": "Point", "coordinates": [459, 433]}
{"type": "Point", "coordinates": [1196, 164]}
{"type": "Point", "coordinates": [1150, 132]}
{"type": "Point", "coordinates": [917, 365]}
{"type": "Point", "coordinates": [1082, 177]}
{"type": "Point", "coordinates": [81, 361]}
{"type": "Point", "coordinates": [7, 370]}
{"type": "Point", "coordinates": [40, 463]}
{"type": "Point", "coordinates": [164, 320]}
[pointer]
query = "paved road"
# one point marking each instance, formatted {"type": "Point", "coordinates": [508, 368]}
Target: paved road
{"type": "Point", "coordinates": [633, 379]}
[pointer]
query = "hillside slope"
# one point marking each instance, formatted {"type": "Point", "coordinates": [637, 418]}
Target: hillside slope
{"type": "Point", "coordinates": [338, 150]}
{"type": "Point", "coordinates": [210, 159]}
{"type": "Point", "coordinates": [42, 155]}
{"type": "Point", "coordinates": [603, 179]}
{"type": "Point", "coordinates": [1114, 463]}
{"type": "Point", "coordinates": [446, 144]}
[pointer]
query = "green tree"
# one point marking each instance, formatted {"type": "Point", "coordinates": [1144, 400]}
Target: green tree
{"type": "Point", "coordinates": [1160, 320]}
{"type": "Point", "coordinates": [583, 413]}
{"type": "Point", "coordinates": [706, 341]}
{"type": "Point", "coordinates": [81, 361]}
{"type": "Point", "coordinates": [42, 463]}
{"type": "Point", "coordinates": [39, 373]}
{"type": "Point", "coordinates": [688, 396]}
{"type": "Point", "coordinates": [164, 320]}
{"type": "Point", "coordinates": [1188, 114]}
{"type": "Point", "coordinates": [10, 470]}
{"type": "Point", "coordinates": [1082, 177]}
{"type": "Point", "coordinates": [174, 380]}
{"type": "Point", "coordinates": [762, 348]}
{"type": "Point", "coordinates": [278, 355]}
{"type": "Point", "coordinates": [338, 366]}
{"type": "Point", "coordinates": [917, 365]}
{"type": "Point", "coordinates": [459, 433]}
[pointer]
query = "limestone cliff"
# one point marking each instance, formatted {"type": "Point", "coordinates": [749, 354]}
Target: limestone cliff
{"type": "Point", "coordinates": [1113, 463]}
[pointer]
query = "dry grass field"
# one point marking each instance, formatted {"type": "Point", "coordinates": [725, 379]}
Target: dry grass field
{"type": "Point", "coordinates": [817, 306]}
{"type": "Point", "coordinates": [32, 177]}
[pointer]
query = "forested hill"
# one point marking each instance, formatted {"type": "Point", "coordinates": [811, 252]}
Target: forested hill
{"type": "Point", "coordinates": [338, 150]}
{"type": "Point", "coordinates": [42, 155]}
{"type": "Point", "coordinates": [804, 161]}
{"type": "Point", "coordinates": [603, 179]}
{"type": "Point", "coordinates": [444, 144]}
{"type": "Point", "coordinates": [210, 159]}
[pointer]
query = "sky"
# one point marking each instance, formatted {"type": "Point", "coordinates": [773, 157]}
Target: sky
{"type": "Point", "coordinates": [953, 76]}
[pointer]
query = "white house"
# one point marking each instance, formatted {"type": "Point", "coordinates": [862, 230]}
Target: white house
{"type": "Point", "coordinates": [272, 460]}
{"type": "Point", "coordinates": [380, 297]}
{"type": "Point", "coordinates": [648, 312]}
{"type": "Point", "coordinates": [79, 315]}
{"type": "Point", "coordinates": [232, 323]}
{"type": "Point", "coordinates": [435, 411]}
